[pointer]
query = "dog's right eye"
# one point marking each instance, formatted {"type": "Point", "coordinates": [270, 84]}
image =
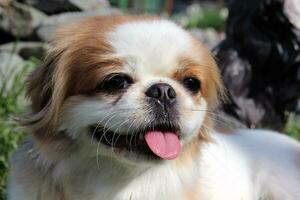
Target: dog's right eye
{"type": "Point", "coordinates": [115, 82]}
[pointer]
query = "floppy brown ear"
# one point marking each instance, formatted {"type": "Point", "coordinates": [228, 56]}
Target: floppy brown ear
{"type": "Point", "coordinates": [40, 87]}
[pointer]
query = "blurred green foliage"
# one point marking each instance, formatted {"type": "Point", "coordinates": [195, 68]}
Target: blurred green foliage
{"type": "Point", "coordinates": [12, 104]}
{"type": "Point", "coordinates": [197, 16]}
{"type": "Point", "coordinates": [292, 127]}
{"type": "Point", "coordinates": [140, 6]}
{"type": "Point", "coordinates": [208, 18]}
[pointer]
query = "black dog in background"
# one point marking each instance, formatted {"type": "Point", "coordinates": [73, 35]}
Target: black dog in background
{"type": "Point", "coordinates": [260, 61]}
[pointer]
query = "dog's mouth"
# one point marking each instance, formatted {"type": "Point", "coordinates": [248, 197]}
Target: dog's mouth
{"type": "Point", "coordinates": [157, 141]}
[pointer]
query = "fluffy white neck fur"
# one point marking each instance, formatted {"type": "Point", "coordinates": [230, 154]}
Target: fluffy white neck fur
{"type": "Point", "coordinates": [112, 180]}
{"type": "Point", "coordinates": [248, 165]}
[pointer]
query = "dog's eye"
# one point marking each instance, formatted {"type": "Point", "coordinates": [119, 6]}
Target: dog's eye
{"type": "Point", "coordinates": [115, 83]}
{"type": "Point", "coordinates": [192, 84]}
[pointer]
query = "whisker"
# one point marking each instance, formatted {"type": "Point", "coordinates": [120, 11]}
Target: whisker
{"type": "Point", "coordinates": [217, 117]}
{"type": "Point", "coordinates": [131, 134]}
{"type": "Point", "coordinates": [99, 142]}
{"type": "Point", "coordinates": [194, 109]}
{"type": "Point", "coordinates": [97, 155]}
{"type": "Point", "coordinates": [116, 132]}
{"type": "Point", "coordinates": [105, 129]}
{"type": "Point", "coordinates": [138, 133]}
{"type": "Point", "coordinates": [98, 124]}
{"type": "Point", "coordinates": [144, 125]}
{"type": "Point", "coordinates": [223, 122]}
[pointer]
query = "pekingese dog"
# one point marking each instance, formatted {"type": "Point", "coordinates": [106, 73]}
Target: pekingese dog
{"type": "Point", "coordinates": [122, 109]}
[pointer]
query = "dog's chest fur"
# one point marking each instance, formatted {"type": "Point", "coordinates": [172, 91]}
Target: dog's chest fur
{"type": "Point", "coordinates": [112, 181]}
{"type": "Point", "coordinates": [77, 178]}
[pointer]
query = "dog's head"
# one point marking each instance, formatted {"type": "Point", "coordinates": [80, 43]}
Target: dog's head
{"type": "Point", "coordinates": [138, 88]}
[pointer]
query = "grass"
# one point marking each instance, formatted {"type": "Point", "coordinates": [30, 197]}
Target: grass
{"type": "Point", "coordinates": [12, 104]}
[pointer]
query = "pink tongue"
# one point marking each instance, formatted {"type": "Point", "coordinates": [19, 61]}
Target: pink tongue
{"type": "Point", "coordinates": [165, 145]}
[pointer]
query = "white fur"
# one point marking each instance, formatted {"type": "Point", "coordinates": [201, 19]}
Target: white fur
{"type": "Point", "coordinates": [252, 164]}
{"type": "Point", "coordinates": [150, 47]}
{"type": "Point", "coordinates": [248, 165]}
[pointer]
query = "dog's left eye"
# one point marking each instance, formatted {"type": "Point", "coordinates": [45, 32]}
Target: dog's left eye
{"type": "Point", "coordinates": [115, 83]}
{"type": "Point", "coordinates": [192, 84]}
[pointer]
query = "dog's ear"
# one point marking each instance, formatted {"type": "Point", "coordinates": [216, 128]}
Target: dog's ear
{"type": "Point", "coordinates": [45, 89]}
{"type": "Point", "coordinates": [40, 87]}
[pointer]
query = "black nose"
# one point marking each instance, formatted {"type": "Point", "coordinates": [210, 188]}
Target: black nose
{"type": "Point", "coordinates": [162, 92]}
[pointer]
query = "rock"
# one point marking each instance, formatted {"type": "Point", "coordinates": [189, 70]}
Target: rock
{"type": "Point", "coordinates": [90, 4]}
{"type": "Point", "coordinates": [19, 20]}
{"type": "Point", "coordinates": [59, 6]}
{"type": "Point", "coordinates": [207, 36]}
{"type": "Point", "coordinates": [25, 49]}
{"type": "Point", "coordinates": [10, 66]}
{"type": "Point", "coordinates": [51, 6]}
{"type": "Point", "coordinates": [5, 2]}
{"type": "Point", "coordinates": [47, 28]}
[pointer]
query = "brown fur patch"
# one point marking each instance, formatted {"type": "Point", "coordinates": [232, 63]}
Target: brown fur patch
{"type": "Point", "coordinates": [189, 154]}
{"type": "Point", "coordinates": [207, 72]}
{"type": "Point", "coordinates": [191, 194]}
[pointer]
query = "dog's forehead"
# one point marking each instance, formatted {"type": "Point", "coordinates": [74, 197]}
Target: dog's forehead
{"type": "Point", "coordinates": [150, 47]}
